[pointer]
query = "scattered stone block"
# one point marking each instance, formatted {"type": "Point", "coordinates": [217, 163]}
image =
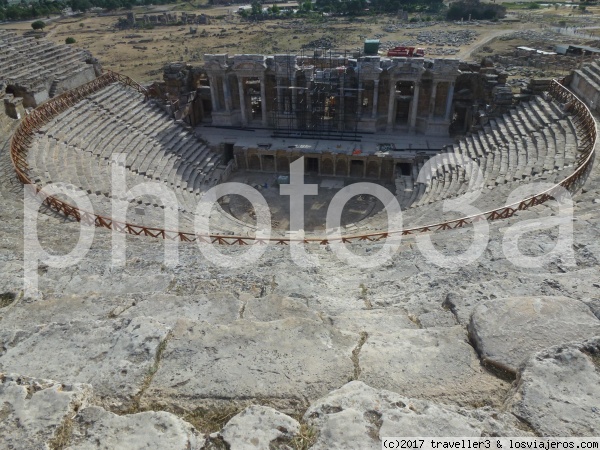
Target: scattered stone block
{"type": "Point", "coordinates": [506, 332]}
{"type": "Point", "coordinates": [257, 426]}
{"type": "Point", "coordinates": [558, 389]}
{"type": "Point", "coordinates": [357, 416]}
{"type": "Point", "coordinates": [436, 363]}
{"type": "Point", "coordinates": [114, 357]}
{"type": "Point", "coordinates": [287, 361]}
{"type": "Point", "coordinates": [95, 428]}
{"type": "Point", "coordinates": [35, 412]}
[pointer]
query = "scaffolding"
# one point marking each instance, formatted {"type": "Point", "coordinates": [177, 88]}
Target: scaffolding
{"type": "Point", "coordinates": [323, 100]}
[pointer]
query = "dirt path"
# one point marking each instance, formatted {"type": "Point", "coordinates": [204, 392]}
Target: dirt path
{"type": "Point", "coordinates": [466, 52]}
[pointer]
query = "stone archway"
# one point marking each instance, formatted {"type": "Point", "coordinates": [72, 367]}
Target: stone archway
{"type": "Point", "coordinates": [327, 166]}
{"type": "Point", "coordinates": [341, 168]}
{"type": "Point", "coordinates": [253, 162]}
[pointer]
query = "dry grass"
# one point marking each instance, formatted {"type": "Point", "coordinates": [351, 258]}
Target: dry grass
{"type": "Point", "coordinates": [305, 439]}
{"type": "Point", "coordinates": [62, 437]}
{"type": "Point", "coordinates": [212, 420]}
{"type": "Point", "coordinates": [6, 299]}
{"type": "Point", "coordinates": [227, 34]}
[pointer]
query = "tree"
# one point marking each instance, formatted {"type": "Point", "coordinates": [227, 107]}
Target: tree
{"type": "Point", "coordinates": [70, 40]}
{"type": "Point", "coordinates": [256, 8]}
{"type": "Point", "coordinates": [306, 6]}
{"type": "Point", "coordinates": [275, 9]}
{"type": "Point", "coordinates": [80, 5]}
{"type": "Point", "coordinates": [38, 25]}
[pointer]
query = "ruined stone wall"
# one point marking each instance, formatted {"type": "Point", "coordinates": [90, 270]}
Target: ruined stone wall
{"type": "Point", "coordinates": [71, 81]}
{"type": "Point", "coordinates": [322, 91]}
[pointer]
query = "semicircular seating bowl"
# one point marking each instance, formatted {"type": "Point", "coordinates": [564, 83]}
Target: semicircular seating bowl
{"type": "Point", "coordinates": [536, 141]}
{"type": "Point", "coordinates": [78, 146]}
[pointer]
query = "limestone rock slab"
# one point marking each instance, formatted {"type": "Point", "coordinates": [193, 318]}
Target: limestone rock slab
{"type": "Point", "coordinates": [113, 356]}
{"type": "Point", "coordinates": [98, 429]}
{"type": "Point", "coordinates": [428, 363]}
{"type": "Point", "coordinates": [276, 307]}
{"type": "Point", "coordinates": [32, 411]}
{"type": "Point", "coordinates": [388, 320]}
{"type": "Point", "coordinates": [507, 331]}
{"type": "Point", "coordinates": [257, 426]}
{"type": "Point", "coordinates": [289, 360]}
{"type": "Point", "coordinates": [558, 390]}
{"type": "Point", "coordinates": [357, 416]}
{"type": "Point", "coordinates": [215, 308]}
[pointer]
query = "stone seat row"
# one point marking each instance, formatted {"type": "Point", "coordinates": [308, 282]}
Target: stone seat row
{"type": "Point", "coordinates": [534, 142]}
{"type": "Point", "coordinates": [591, 74]}
{"type": "Point", "coordinates": [530, 153]}
{"type": "Point", "coordinates": [54, 162]}
{"type": "Point", "coordinates": [155, 146]}
{"type": "Point", "coordinates": [118, 121]}
{"type": "Point", "coordinates": [53, 64]}
{"type": "Point", "coordinates": [51, 161]}
{"type": "Point", "coordinates": [522, 160]}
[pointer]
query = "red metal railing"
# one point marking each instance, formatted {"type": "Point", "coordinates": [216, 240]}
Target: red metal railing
{"type": "Point", "coordinates": [584, 121]}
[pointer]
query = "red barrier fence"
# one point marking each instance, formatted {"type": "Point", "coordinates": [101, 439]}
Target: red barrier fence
{"type": "Point", "coordinates": [584, 121]}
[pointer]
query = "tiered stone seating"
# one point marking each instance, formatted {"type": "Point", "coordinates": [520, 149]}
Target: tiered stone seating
{"type": "Point", "coordinates": [79, 146]}
{"type": "Point", "coordinates": [27, 62]}
{"type": "Point", "coordinates": [534, 142]}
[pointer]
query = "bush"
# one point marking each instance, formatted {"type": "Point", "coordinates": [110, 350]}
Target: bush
{"type": "Point", "coordinates": [38, 25]}
{"type": "Point", "coordinates": [70, 40]}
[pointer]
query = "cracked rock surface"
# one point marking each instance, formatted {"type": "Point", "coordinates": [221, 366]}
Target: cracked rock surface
{"type": "Point", "coordinates": [291, 360]}
{"type": "Point", "coordinates": [558, 390]}
{"type": "Point", "coordinates": [34, 411]}
{"type": "Point", "coordinates": [506, 332]}
{"type": "Point", "coordinates": [257, 427]}
{"type": "Point", "coordinates": [97, 429]}
{"type": "Point", "coordinates": [356, 416]}
{"type": "Point", "coordinates": [114, 357]}
{"type": "Point", "coordinates": [429, 363]}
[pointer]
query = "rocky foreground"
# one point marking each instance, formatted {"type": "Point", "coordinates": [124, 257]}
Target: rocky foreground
{"type": "Point", "coordinates": [273, 355]}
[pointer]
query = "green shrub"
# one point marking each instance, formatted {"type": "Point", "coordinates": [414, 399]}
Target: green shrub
{"type": "Point", "coordinates": [38, 25]}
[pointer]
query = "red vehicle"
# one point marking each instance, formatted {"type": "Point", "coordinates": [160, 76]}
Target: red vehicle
{"type": "Point", "coordinates": [408, 52]}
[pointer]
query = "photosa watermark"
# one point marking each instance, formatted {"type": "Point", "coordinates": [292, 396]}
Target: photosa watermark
{"type": "Point", "coordinates": [165, 205]}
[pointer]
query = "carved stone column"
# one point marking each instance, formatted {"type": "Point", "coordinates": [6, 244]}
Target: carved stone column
{"type": "Point", "coordinates": [375, 99]}
{"type": "Point", "coordinates": [279, 96]}
{"type": "Point", "coordinates": [227, 94]}
{"type": "Point", "coordinates": [242, 100]}
{"type": "Point", "coordinates": [449, 101]}
{"type": "Point", "coordinates": [294, 92]}
{"type": "Point", "coordinates": [392, 103]}
{"type": "Point", "coordinates": [214, 94]}
{"type": "Point", "coordinates": [432, 100]}
{"type": "Point", "coordinates": [263, 101]}
{"type": "Point", "coordinates": [341, 110]}
{"type": "Point", "coordinates": [359, 101]}
{"type": "Point", "coordinates": [414, 106]}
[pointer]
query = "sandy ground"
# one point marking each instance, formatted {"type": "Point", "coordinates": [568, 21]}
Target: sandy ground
{"type": "Point", "coordinates": [141, 54]}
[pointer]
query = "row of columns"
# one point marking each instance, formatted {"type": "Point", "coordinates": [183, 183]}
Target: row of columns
{"type": "Point", "coordinates": [290, 159]}
{"type": "Point", "coordinates": [415, 102]}
{"type": "Point", "coordinates": [216, 104]}
{"type": "Point", "coordinates": [284, 107]}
